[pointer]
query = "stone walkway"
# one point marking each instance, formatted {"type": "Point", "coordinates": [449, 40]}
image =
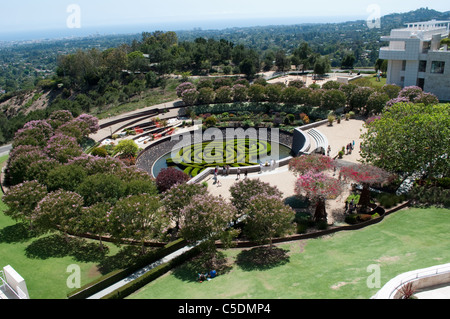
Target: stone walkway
{"type": "Point", "coordinates": [338, 136]}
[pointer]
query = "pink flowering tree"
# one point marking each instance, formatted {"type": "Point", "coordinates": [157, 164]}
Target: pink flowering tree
{"type": "Point", "coordinates": [183, 87]}
{"type": "Point", "coordinates": [138, 217]}
{"type": "Point", "coordinates": [63, 148]}
{"type": "Point", "coordinates": [242, 191]}
{"type": "Point", "coordinates": [178, 197]}
{"type": "Point", "coordinates": [96, 164]}
{"type": "Point", "coordinates": [95, 220]}
{"type": "Point", "coordinates": [312, 162]}
{"type": "Point", "coordinates": [35, 133]}
{"type": "Point", "coordinates": [59, 118]}
{"type": "Point", "coordinates": [80, 127]}
{"type": "Point", "coordinates": [19, 162]}
{"type": "Point", "coordinates": [318, 187]}
{"type": "Point", "coordinates": [60, 210]}
{"type": "Point", "coordinates": [367, 175]}
{"type": "Point", "coordinates": [207, 219]}
{"type": "Point", "coordinates": [267, 217]}
{"type": "Point", "coordinates": [22, 199]}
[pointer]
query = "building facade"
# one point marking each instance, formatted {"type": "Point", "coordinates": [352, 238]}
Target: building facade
{"type": "Point", "coordinates": [417, 58]}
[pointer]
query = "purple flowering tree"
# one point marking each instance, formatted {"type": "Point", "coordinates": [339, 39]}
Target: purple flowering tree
{"type": "Point", "coordinates": [60, 210]}
{"type": "Point", "coordinates": [178, 197]}
{"type": "Point", "coordinates": [22, 199]}
{"type": "Point", "coordinates": [242, 191]}
{"type": "Point", "coordinates": [35, 133]}
{"type": "Point", "coordinates": [266, 218]}
{"type": "Point", "coordinates": [63, 148]}
{"type": "Point", "coordinates": [138, 217]}
{"type": "Point", "coordinates": [59, 118]}
{"type": "Point", "coordinates": [19, 162]}
{"type": "Point", "coordinates": [183, 87]}
{"type": "Point", "coordinates": [190, 96]}
{"type": "Point", "coordinates": [95, 220]}
{"type": "Point", "coordinates": [207, 219]}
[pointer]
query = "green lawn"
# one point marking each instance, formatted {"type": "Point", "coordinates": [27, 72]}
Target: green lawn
{"type": "Point", "coordinates": [332, 267]}
{"type": "Point", "coordinates": [42, 260]}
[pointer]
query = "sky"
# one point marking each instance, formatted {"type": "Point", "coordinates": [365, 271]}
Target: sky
{"type": "Point", "coordinates": [37, 17]}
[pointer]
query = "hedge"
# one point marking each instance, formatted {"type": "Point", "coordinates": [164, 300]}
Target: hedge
{"type": "Point", "coordinates": [117, 275]}
{"type": "Point", "coordinates": [151, 275]}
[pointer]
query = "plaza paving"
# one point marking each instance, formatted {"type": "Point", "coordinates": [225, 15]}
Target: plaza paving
{"type": "Point", "coordinates": [338, 135]}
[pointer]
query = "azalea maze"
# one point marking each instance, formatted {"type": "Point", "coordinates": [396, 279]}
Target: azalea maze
{"type": "Point", "coordinates": [196, 158]}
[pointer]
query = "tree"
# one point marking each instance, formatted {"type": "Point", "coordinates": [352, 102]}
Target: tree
{"type": "Point", "coordinates": [348, 61]}
{"type": "Point", "coordinates": [247, 67]}
{"type": "Point", "coordinates": [282, 62]}
{"type": "Point", "coordinates": [127, 148]}
{"type": "Point", "coordinates": [22, 199]}
{"type": "Point", "coordinates": [267, 217]}
{"type": "Point", "coordinates": [359, 98]}
{"type": "Point", "coordinates": [65, 177]}
{"type": "Point", "coordinates": [101, 188]}
{"type": "Point", "coordinates": [178, 197]}
{"type": "Point", "coordinates": [138, 217]}
{"type": "Point", "coordinates": [19, 162]}
{"type": "Point", "coordinates": [60, 211]}
{"type": "Point", "coordinates": [376, 103]}
{"type": "Point", "coordinates": [367, 175]}
{"type": "Point", "coordinates": [242, 191]}
{"type": "Point", "coordinates": [322, 66]}
{"type": "Point", "coordinates": [312, 162]}
{"type": "Point", "coordinates": [170, 176]}
{"type": "Point", "coordinates": [257, 93]}
{"type": "Point", "coordinates": [206, 95]}
{"type": "Point", "coordinates": [95, 220]}
{"type": "Point", "coordinates": [207, 219]}
{"type": "Point", "coordinates": [63, 148]}
{"type": "Point", "coordinates": [318, 187]}
{"type": "Point", "coordinates": [190, 96]}
{"type": "Point", "coordinates": [333, 99]}
{"type": "Point", "coordinates": [409, 139]}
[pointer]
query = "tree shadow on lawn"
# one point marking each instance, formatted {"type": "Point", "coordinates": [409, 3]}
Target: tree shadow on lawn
{"type": "Point", "coordinates": [202, 264]}
{"type": "Point", "coordinates": [262, 258]}
{"type": "Point", "coordinates": [57, 246]}
{"type": "Point", "coordinates": [17, 233]}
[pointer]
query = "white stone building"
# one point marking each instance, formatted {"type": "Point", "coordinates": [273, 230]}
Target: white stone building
{"type": "Point", "coordinates": [416, 57]}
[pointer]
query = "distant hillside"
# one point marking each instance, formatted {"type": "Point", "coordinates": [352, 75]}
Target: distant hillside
{"type": "Point", "coordinates": [29, 72]}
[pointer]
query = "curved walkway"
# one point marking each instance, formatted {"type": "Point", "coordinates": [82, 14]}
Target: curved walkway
{"type": "Point", "coordinates": [338, 135]}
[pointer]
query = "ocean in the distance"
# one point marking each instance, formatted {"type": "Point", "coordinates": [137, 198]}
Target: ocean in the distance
{"type": "Point", "coordinates": [217, 24]}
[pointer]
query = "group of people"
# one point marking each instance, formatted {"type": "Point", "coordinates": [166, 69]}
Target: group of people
{"type": "Point", "coordinates": [207, 276]}
{"type": "Point", "coordinates": [350, 147]}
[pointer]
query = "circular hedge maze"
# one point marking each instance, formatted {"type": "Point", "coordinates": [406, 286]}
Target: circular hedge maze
{"type": "Point", "coordinates": [195, 158]}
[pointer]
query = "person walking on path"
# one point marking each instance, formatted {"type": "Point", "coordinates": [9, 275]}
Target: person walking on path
{"type": "Point", "coordinates": [238, 173]}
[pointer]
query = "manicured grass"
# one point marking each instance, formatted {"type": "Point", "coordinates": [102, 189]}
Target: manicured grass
{"type": "Point", "coordinates": [332, 267]}
{"type": "Point", "coordinates": [42, 260]}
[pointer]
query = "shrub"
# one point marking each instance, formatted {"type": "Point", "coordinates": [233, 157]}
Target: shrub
{"type": "Point", "coordinates": [99, 151]}
{"type": "Point", "coordinates": [103, 188]}
{"type": "Point", "coordinates": [169, 177]}
{"type": "Point", "coordinates": [351, 219]}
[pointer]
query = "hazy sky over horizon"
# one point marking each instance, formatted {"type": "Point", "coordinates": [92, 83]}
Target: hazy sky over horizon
{"type": "Point", "coordinates": [32, 15]}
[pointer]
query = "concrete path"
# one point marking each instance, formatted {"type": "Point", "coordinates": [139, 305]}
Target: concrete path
{"type": "Point", "coordinates": [174, 110]}
{"type": "Point", "coordinates": [140, 273]}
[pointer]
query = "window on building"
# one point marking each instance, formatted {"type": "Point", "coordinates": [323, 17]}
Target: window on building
{"type": "Point", "coordinates": [421, 83]}
{"type": "Point", "coordinates": [437, 67]}
{"type": "Point", "coordinates": [422, 66]}
{"type": "Point", "coordinates": [403, 65]}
